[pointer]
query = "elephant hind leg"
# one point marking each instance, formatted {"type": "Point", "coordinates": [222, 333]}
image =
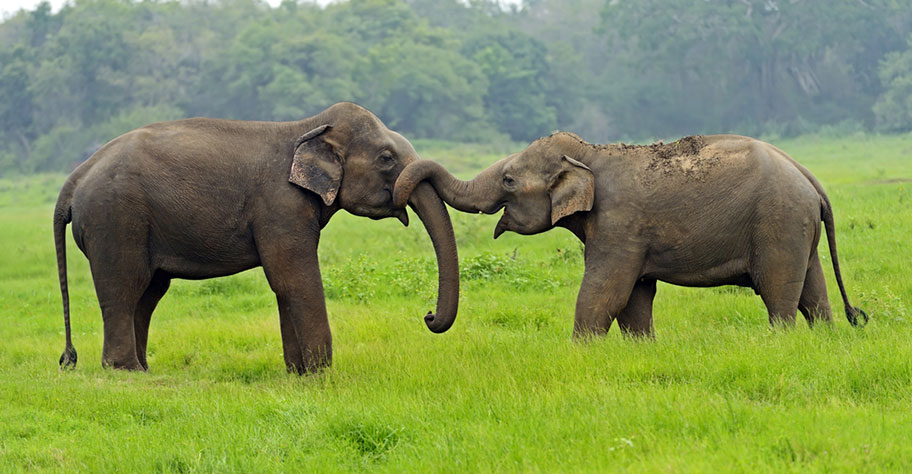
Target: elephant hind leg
{"type": "Point", "coordinates": [636, 318]}
{"type": "Point", "coordinates": [119, 285]}
{"type": "Point", "coordinates": [814, 304]}
{"type": "Point", "coordinates": [147, 303]}
{"type": "Point", "coordinates": [780, 283]}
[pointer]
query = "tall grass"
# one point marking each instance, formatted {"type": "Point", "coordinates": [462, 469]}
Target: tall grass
{"type": "Point", "coordinates": [504, 390]}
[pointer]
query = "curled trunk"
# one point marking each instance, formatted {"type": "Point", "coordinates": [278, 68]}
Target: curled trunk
{"type": "Point", "coordinates": [433, 214]}
{"type": "Point", "coordinates": [477, 195]}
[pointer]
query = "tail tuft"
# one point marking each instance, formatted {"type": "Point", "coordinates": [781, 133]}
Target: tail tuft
{"type": "Point", "coordinates": [68, 358]}
{"type": "Point", "coordinates": [852, 313]}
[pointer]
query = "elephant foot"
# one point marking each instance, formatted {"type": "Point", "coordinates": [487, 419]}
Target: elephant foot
{"type": "Point", "coordinates": [131, 365]}
{"type": "Point", "coordinates": [308, 369]}
{"type": "Point", "coordinates": [309, 365]}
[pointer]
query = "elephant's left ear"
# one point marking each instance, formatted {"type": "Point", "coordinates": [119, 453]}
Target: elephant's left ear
{"type": "Point", "coordinates": [573, 189]}
{"type": "Point", "coordinates": [316, 165]}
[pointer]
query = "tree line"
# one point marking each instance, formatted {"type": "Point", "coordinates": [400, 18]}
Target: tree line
{"type": "Point", "coordinates": [474, 71]}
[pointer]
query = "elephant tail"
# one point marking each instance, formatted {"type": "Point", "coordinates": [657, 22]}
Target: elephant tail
{"type": "Point", "coordinates": [62, 216]}
{"type": "Point", "coordinates": [852, 312]}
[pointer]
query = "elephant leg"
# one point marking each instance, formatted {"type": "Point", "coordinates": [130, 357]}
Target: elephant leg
{"type": "Point", "coordinates": [780, 283]}
{"type": "Point", "coordinates": [306, 337]}
{"type": "Point", "coordinates": [636, 318]}
{"type": "Point", "coordinates": [147, 303]}
{"type": "Point", "coordinates": [119, 284]}
{"type": "Point", "coordinates": [294, 275]}
{"type": "Point", "coordinates": [607, 284]}
{"type": "Point", "coordinates": [814, 304]}
{"type": "Point", "coordinates": [291, 349]}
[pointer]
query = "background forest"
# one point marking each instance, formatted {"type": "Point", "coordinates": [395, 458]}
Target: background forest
{"type": "Point", "coordinates": [472, 71]}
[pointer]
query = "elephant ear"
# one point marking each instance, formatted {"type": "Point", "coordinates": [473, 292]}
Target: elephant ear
{"type": "Point", "coordinates": [316, 165]}
{"type": "Point", "coordinates": [572, 190]}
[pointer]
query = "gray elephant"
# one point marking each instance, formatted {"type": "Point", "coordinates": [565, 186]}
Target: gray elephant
{"type": "Point", "coordinates": [702, 211]}
{"type": "Point", "coordinates": [203, 198]}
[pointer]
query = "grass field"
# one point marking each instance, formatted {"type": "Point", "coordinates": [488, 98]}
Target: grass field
{"type": "Point", "coordinates": [505, 389]}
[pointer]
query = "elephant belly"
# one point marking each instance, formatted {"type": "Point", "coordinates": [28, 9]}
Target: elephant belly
{"type": "Point", "coordinates": [708, 245]}
{"type": "Point", "coordinates": [694, 273]}
{"type": "Point", "coordinates": [189, 269]}
{"type": "Point", "coordinates": [206, 252]}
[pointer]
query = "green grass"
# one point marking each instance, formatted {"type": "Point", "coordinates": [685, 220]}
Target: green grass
{"type": "Point", "coordinates": [504, 390]}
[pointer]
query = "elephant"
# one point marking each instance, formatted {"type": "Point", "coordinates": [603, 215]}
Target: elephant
{"type": "Point", "coordinates": [702, 211]}
{"type": "Point", "coordinates": [202, 198]}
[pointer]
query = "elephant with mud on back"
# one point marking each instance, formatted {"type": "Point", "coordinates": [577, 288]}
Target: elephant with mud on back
{"type": "Point", "coordinates": [702, 211]}
{"type": "Point", "coordinates": [202, 198]}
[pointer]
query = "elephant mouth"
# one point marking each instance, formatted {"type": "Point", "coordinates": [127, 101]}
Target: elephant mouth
{"type": "Point", "coordinates": [398, 213]}
{"type": "Point", "coordinates": [402, 216]}
{"type": "Point", "coordinates": [503, 224]}
{"type": "Point", "coordinates": [495, 208]}
{"type": "Point", "coordinates": [380, 211]}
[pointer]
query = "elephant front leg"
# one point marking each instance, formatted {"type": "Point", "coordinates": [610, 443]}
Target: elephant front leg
{"type": "Point", "coordinates": [306, 337]}
{"type": "Point", "coordinates": [607, 284]}
{"type": "Point", "coordinates": [293, 272]}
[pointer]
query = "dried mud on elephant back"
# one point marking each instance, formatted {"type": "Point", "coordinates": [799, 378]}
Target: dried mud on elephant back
{"type": "Point", "coordinates": [688, 158]}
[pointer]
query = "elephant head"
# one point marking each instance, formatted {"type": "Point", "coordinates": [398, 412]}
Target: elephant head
{"type": "Point", "coordinates": [536, 187]}
{"type": "Point", "coordinates": [351, 161]}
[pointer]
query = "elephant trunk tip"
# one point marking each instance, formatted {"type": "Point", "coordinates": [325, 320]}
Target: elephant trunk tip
{"type": "Point", "coordinates": [437, 326]}
{"type": "Point", "coordinates": [403, 189]}
{"type": "Point", "coordinates": [432, 212]}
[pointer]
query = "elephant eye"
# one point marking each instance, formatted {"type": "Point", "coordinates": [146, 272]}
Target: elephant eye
{"type": "Point", "coordinates": [386, 159]}
{"type": "Point", "coordinates": [509, 182]}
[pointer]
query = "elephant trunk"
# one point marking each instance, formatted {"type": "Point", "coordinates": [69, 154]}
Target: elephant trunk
{"type": "Point", "coordinates": [433, 214]}
{"type": "Point", "coordinates": [476, 195]}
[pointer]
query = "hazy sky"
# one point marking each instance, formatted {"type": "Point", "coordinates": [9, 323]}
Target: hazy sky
{"type": "Point", "coordinates": [8, 7]}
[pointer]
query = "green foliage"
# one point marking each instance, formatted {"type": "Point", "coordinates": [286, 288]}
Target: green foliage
{"type": "Point", "coordinates": [61, 146]}
{"type": "Point", "coordinates": [516, 66]}
{"type": "Point", "coordinates": [451, 70]}
{"type": "Point", "coordinates": [894, 108]}
{"type": "Point", "coordinates": [721, 66]}
{"type": "Point", "coordinates": [504, 390]}
{"type": "Point", "coordinates": [439, 89]}
{"type": "Point", "coordinates": [16, 112]}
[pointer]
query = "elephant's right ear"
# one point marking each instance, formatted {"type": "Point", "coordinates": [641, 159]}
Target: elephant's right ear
{"type": "Point", "coordinates": [317, 165]}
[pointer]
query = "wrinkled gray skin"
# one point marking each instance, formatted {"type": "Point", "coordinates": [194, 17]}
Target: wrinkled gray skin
{"type": "Point", "coordinates": [703, 211]}
{"type": "Point", "coordinates": [203, 198]}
